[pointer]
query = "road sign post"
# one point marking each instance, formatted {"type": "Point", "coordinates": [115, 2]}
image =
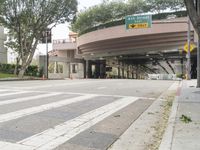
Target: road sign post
{"type": "Point", "coordinates": [138, 22]}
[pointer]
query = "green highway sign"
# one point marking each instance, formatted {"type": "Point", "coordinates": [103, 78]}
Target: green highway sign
{"type": "Point", "coordinates": [138, 22]}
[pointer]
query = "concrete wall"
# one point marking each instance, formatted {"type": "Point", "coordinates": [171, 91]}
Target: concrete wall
{"type": "Point", "coordinates": [3, 51]}
{"type": "Point", "coordinates": [66, 67]}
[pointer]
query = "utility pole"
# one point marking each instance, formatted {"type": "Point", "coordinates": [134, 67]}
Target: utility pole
{"type": "Point", "coordinates": [47, 55]}
{"type": "Point", "coordinates": [188, 56]}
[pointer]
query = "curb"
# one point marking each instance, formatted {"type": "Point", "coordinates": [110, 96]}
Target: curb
{"type": "Point", "coordinates": [167, 140]}
{"type": "Point", "coordinates": [136, 135]}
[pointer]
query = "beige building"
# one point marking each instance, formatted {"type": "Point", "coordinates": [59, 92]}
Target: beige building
{"type": "Point", "coordinates": [3, 51]}
{"type": "Point", "coordinates": [62, 61]}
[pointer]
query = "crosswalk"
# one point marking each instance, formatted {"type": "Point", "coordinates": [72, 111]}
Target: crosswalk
{"type": "Point", "coordinates": [79, 112]}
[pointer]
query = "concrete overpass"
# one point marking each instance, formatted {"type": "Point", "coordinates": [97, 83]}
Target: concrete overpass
{"type": "Point", "coordinates": [125, 48]}
{"type": "Point", "coordinates": [168, 35]}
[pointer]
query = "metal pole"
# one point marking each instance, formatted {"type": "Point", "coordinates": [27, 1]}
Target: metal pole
{"type": "Point", "coordinates": [47, 63]}
{"type": "Point", "coordinates": [188, 65]}
{"type": "Point", "coordinates": [198, 48]}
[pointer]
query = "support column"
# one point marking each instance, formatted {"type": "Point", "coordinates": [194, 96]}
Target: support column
{"type": "Point", "coordinates": [123, 70]}
{"type": "Point", "coordinates": [137, 72]}
{"type": "Point", "coordinates": [87, 69]}
{"type": "Point", "coordinates": [119, 70]}
{"type": "Point", "coordinates": [103, 69]}
{"type": "Point", "coordinates": [132, 72]}
{"type": "Point", "coordinates": [127, 71]}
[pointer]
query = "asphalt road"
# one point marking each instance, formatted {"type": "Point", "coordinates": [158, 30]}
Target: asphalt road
{"type": "Point", "coordinates": [71, 114]}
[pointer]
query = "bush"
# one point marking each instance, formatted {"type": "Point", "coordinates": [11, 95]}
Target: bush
{"type": "Point", "coordinates": [30, 71]}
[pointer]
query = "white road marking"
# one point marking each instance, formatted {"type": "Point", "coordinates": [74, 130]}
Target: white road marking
{"type": "Point", "coordinates": [174, 86]}
{"type": "Point", "coordinates": [53, 137]}
{"type": "Point", "coordinates": [34, 110]}
{"type": "Point", "coordinates": [52, 85]}
{"type": "Point", "coordinates": [3, 90]}
{"type": "Point", "coordinates": [24, 99]}
{"type": "Point", "coordinates": [121, 96]}
{"type": "Point", "coordinates": [14, 93]}
{"type": "Point", "coordinates": [101, 88]}
{"type": "Point", "coordinates": [13, 146]}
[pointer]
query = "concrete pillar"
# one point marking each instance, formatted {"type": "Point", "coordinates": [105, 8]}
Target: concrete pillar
{"type": "Point", "coordinates": [137, 72]}
{"type": "Point", "coordinates": [97, 69]}
{"type": "Point", "coordinates": [88, 70]}
{"type": "Point", "coordinates": [119, 70]}
{"type": "Point", "coordinates": [102, 69]}
{"type": "Point", "coordinates": [132, 71]}
{"type": "Point", "coordinates": [123, 66]}
{"type": "Point", "coordinates": [128, 71]}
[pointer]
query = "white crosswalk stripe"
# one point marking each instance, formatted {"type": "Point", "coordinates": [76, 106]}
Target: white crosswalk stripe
{"type": "Point", "coordinates": [14, 93]}
{"type": "Point", "coordinates": [24, 99]}
{"type": "Point", "coordinates": [58, 135]}
{"type": "Point", "coordinates": [37, 109]}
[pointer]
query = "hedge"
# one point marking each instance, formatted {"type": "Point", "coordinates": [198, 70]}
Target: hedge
{"type": "Point", "coordinates": [30, 71]}
{"type": "Point", "coordinates": [122, 21]}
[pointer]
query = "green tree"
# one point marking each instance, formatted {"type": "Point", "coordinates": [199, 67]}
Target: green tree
{"type": "Point", "coordinates": [105, 12]}
{"type": "Point", "coordinates": [159, 6]}
{"type": "Point", "coordinates": [117, 9]}
{"type": "Point", "coordinates": [26, 21]}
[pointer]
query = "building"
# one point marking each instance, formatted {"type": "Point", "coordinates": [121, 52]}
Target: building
{"type": "Point", "coordinates": [3, 50]}
{"type": "Point", "coordinates": [62, 61]}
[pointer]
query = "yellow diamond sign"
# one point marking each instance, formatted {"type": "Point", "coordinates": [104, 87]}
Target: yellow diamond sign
{"type": "Point", "coordinates": [192, 47]}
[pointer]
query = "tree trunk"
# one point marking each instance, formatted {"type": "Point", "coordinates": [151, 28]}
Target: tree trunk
{"type": "Point", "coordinates": [194, 17]}
{"type": "Point", "coordinates": [26, 61]}
{"type": "Point", "coordinates": [21, 72]}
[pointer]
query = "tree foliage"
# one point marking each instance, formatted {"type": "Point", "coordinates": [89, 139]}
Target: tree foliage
{"type": "Point", "coordinates": [27, 19]}
{"type": "Point", "coordinates": [159, 6]}
{"type": "Point", "coordinates": [118, 9]}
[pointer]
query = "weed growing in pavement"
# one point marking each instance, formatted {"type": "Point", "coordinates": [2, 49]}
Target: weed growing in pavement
{"type": "Point", "coordinates": [185, 119]}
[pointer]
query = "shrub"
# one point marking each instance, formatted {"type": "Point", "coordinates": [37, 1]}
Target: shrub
{"type": "Point", "coordinates": [30, 71]}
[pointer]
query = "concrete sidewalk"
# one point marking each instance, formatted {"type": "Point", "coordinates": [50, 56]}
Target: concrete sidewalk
{"type": "Point", "coordinates": [181, 135]}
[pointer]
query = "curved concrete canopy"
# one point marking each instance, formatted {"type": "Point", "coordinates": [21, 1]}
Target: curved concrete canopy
{"type": "Point", "coordinates": [115, 41]}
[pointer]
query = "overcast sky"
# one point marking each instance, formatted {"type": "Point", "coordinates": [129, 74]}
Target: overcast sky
{"type": "Point", "coordinates": [61, 31]}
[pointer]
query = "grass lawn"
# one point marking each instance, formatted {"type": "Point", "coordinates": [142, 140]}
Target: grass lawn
{"type": "Point", "coordinates": [4, 75]}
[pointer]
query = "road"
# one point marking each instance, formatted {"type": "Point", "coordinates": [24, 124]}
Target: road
{"type": "Point", "coordinates": [72, 114]}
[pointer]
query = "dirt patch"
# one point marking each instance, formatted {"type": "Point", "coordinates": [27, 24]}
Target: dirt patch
{"type": "Point", "coordinates": [160, 126]}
